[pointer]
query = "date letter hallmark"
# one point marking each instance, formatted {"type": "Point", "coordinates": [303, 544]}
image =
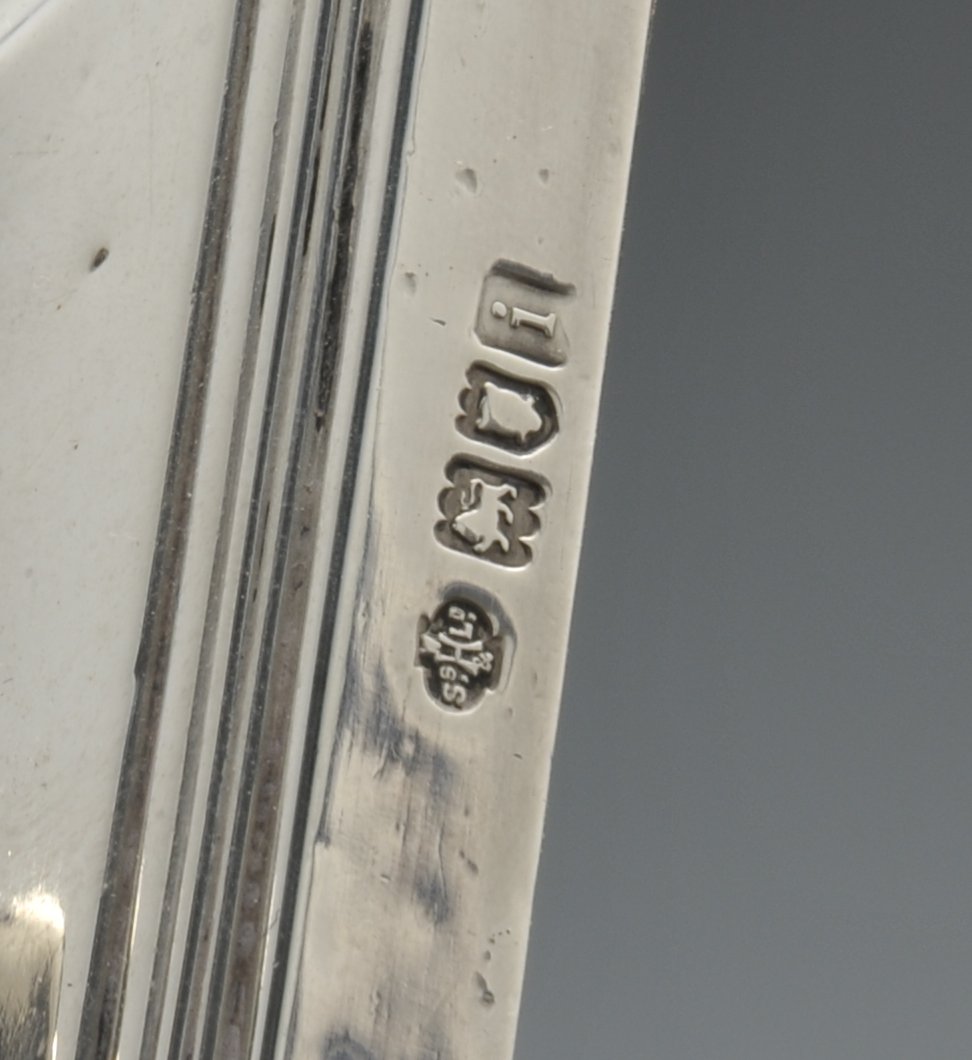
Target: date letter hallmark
{"type": "Point", "coordinates": [489, 512]}
{"type": "Point", "coordinates": [460, 652]}
{"type": "Point", "coordinates": [521, 312]}
{"type": "Point", "coordinates": [512, 414]}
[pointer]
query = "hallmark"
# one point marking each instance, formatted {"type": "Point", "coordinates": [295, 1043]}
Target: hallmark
{"type": "Point", "coordinates": [489, 512]}
{"type": "Point", "coordinates": [513, 414]}
{"type": "Point", "coordinates": [461, 652]}
{"type": "Point", "coordinates": [521, 312]}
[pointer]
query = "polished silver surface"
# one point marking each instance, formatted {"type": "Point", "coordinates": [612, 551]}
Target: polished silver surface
{"type": "Point", "coordinates": [31, 949]}
{"type": "Point", "coordinates": [282, 750]}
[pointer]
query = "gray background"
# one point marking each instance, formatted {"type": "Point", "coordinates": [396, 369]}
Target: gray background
{"type": "Point", "coordinates": [758, 840]}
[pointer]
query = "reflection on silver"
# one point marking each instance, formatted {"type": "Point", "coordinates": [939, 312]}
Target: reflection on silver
{"type": "Point", "coordinates": [289, 756]}
{"type": "Point", "coordinates": [31, 950]}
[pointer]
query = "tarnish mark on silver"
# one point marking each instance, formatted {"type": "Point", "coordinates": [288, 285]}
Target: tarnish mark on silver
{"type": "Point", "coordinates": [344, 1047]}
{"type": "Point", "coordinates": [399, 757]}
{"type": "Point", "coordinates": [521, 312]}
{"type": "Point", "coordinates": [516, 415]}
{"type": "Point", "coordinates": [31, 951]}
{"type": "Point", "coordinates": [460, 652]}
{"type": "Point", "coordinates": [489, 512]}
{"type": "Point", "coordinates": [431, 888]}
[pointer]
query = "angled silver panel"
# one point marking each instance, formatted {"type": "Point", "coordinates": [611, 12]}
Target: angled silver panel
{"type": "Point", "coordinates": [281, 747]}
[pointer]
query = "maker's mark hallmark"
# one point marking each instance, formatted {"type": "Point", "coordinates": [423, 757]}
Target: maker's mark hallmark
{"type": "Point", "coordinates": [489, 512]}
{"type": "Point", "coordinates": [461, 653]}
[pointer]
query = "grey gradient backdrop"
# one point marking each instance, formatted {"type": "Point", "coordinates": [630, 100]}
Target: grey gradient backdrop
{"type": "Point", "coordinates": [758, 840]}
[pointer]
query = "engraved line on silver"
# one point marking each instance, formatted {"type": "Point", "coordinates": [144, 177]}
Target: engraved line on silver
{"type": "Point", "coordinates": [201, 691]}
{"type": "Point", "coordinates": [190, 998]}
{"type": "Point", "coordinates": [104, 995]}
{"type": "Point", "coordinates": [393, 182]}
{"type": "Point", "coordinates": [237, 965]}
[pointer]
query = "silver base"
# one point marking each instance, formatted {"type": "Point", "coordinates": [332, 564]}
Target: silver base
{"type": "Point", "coordinates": [310, 825]}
